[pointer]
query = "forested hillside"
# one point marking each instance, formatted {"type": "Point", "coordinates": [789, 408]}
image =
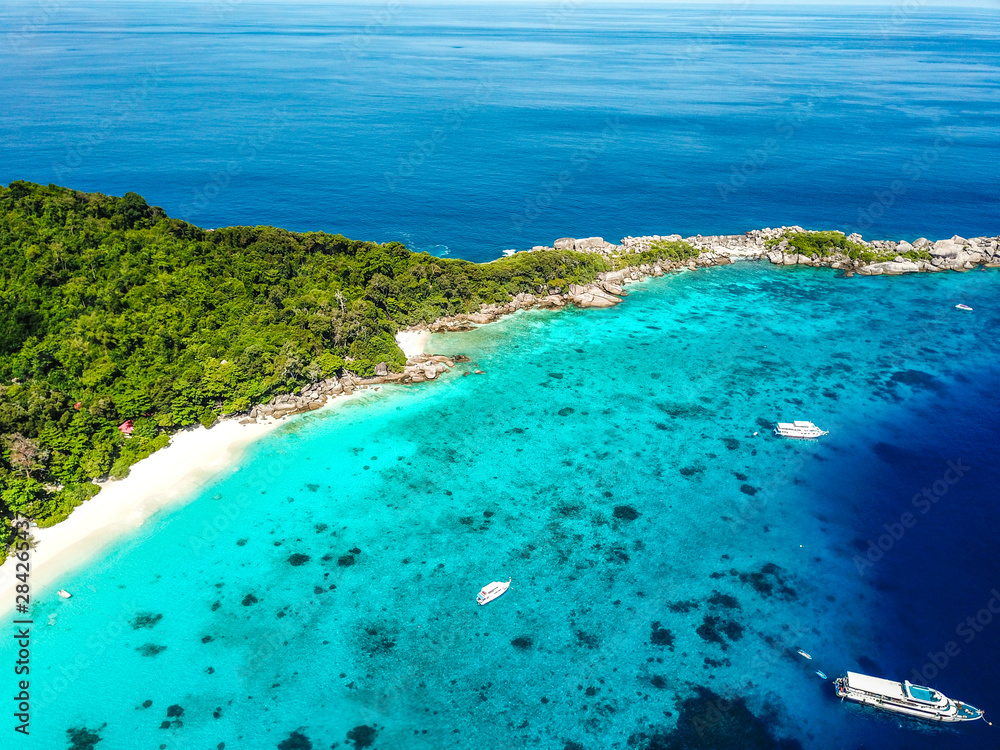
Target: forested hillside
{"type": "Point", "coordinates": [112, 311]}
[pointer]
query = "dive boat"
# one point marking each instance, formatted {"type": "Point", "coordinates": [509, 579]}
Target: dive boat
{"type": "Point", "coordinates": [964, 307]}
{"type": "Point", "coordinates": [64, 594]}
{"type": "Point", "coordinates": [904, 698]}
{"type": "Point", "coordinates": [799, 430]}
{"type": "Point", "coordinates": [491, 591]}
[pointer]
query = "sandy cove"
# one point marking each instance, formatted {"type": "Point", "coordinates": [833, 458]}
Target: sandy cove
{"type": "Point", "coordinates": [172, 475]}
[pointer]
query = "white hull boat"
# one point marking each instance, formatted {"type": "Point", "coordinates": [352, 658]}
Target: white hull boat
{"type": "Point", "coordinates": [964, 307]}
{"type": "Point", "coordinates": [64, 594]}
{"type": "Point", "coordinates": [799, 430]}
{"type": "Point", "coordinates": [491, 591]}
{"type": "Point", "coordinates": [904, 698]}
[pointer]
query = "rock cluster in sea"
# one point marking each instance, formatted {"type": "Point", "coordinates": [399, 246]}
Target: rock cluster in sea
{"type": "Point", "coordinates": [957, 253]}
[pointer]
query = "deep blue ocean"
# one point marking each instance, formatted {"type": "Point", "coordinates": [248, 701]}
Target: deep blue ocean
{"type": "Point", "coordinates": [668, 555]}
{"type": "Point", "coordinates": [471, 129]}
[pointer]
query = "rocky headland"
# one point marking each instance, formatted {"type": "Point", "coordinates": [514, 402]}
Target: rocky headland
{"type": "Point", "coordinates": [776, 245]}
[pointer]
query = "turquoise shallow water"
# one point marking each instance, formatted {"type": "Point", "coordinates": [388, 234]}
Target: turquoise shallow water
{"type": "Point", "coordinates": [606, 461]}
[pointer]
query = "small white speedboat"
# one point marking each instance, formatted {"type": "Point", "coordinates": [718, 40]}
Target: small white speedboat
{"type": "Point", "coordinates": [803, 654]}
{"type": "Point", "coordinates": [491, 591]}
{"type": "Point", "coordinates": [64, 594]}
{"type": "Point", "coordinates": [964, 307]}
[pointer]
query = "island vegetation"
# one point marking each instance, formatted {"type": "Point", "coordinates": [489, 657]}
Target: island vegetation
{"type": "Point", "coordinates": [818, 245]}
{"type": "Point", "coordinates": [114, 314]}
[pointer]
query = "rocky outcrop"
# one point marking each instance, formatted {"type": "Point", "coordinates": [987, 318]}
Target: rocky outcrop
{"type": "Point", "coordinates": [316, 395]}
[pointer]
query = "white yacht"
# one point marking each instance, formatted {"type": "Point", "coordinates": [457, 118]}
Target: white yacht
{"type": "Point", "coordinates": [491, 591]}
{"type": "Point", "coordinates": [904, 698]}
{"type": "Point", "coordinates": [799, 430]}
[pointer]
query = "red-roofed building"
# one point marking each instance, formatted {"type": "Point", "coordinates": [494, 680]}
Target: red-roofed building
{"type": "Point", "coordinates": [126, 427]}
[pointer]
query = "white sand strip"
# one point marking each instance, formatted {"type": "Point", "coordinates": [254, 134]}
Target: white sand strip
{"type": "Point", "coordinates": [413, 342]}
{"type": "Point", "coordinates": [174, 473]}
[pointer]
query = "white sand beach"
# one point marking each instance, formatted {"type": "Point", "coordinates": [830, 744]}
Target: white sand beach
{"type": "Point", "coordinates": [413, 342]}
{"type": "Point", "coordinates": [174, 473]}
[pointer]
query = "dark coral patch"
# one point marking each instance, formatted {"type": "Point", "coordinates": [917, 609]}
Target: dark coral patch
{"type": "Point", "coordinates": [295, 741]}
{"type": "Point", "coordinates": [362, 736]}
{"type": "Point", "coordinates": [625, 512]}
{"type": "Point", "coordinates": [378, 640]}
{"type": "Point", "coordinates": [731, 443]}
{"type": "Point", "coordinates": [749, 489]}
{"type": "Point", "coordinates": [175, 711]}
{"type": "Point", "coordinates": [151, 649]}
{"type": "Point", "coordinates": [566, 411]}
{"type": "Point", "coordinates": [714, 629]}
{"type": "Point", "coordinates": [345, 561]}
{"type": "Point", "coordinates": [298, 559]}
{"type": "Point", "coordinates": [770, 580]}
{"type": "Point", "coordinates": [708, 721]}
{"type": "Point", "coordinates": [249, 599]}
{"type": "Point", "coordinates": [661, 636]}
{"type": "Point", "coordinates": [81, 738]}
{"type": "Point", "coordinates": [917, 379]}
{"type": "Point", "coordinates": [682, 606]}
{"type": "Point", "coordinates": [145, 620]}
{"type": "Point", "coordinates": [522, 643]}
{"type": "Point", "coordinates": [723, 600]}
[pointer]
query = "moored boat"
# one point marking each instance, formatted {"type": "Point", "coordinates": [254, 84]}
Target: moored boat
{"type": "Point", "coordinates": [904, 698]}
{"type": "Point", "coordinates": [963, 307]}
{"type": "Point", "coordinates": [64, 594]}
{"type": "Point", "coordinates": [491, 591]}
{"type": "Point", "coordinates": [799, 430]}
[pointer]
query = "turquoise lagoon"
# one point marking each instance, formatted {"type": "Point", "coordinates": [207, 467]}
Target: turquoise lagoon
{"type": "Point", "coordinates": [668, 554]}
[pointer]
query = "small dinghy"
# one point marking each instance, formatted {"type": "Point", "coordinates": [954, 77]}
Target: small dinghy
{"type": "Point", "coordinates": [491, 591]}
{"type": "Point", "coordinates": [821, 675]}
{"type": "Point", "coordinates": [64, 594]}
{"type": "Point", "coordinates": [964, 307]}
{"type": "Point", "coordinates": [803, 654]}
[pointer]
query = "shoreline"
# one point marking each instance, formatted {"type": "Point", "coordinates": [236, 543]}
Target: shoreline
{"type": "Point", "coordinates": [191, 459]}
{"type": "Point", "coordinates": [196, 456]}
{"type": "Point", "coordinates": [956, 254]}
{"type": "Point", "coordinates": [165, 479]}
